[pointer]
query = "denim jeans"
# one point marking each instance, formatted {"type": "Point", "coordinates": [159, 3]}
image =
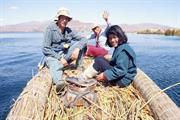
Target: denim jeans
{"type": "Point", "coordinates": [56, 68]}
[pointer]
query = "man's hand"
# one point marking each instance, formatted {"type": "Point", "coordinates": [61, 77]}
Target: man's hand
{"type": "Point", "coordinates": [64, 62]}
{"type": "Point", "coordinates": [75, 54]}
{"type": "Point", "coordinates": [101, 77]}
{"type": "Point", "coordinates": [105, 16]}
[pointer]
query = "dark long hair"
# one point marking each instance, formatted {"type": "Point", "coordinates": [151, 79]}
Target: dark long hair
{"type": "Point", "coordinates": [116, 30]}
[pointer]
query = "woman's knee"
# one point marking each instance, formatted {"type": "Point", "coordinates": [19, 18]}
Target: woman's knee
{"type": "Point", "coordinates": [101, 64]}
{"type": "Point", "coordinates": [99, 59]}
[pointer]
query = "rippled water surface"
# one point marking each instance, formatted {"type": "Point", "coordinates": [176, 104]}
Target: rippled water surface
{"type": "Point", "coordinates": [158, 56]}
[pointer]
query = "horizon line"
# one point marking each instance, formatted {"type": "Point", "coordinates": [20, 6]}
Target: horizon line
{"type": "Point", "coordinates": [88, 23]}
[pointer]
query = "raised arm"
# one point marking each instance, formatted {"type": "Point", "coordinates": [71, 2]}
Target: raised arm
{"type": "Point", "coordinates": [106, 17]}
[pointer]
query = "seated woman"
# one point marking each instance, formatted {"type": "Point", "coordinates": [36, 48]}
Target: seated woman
{"type": "Point", "coordinates": [99, 38]}
{"type": "Point", "coordinates": [121, 69]}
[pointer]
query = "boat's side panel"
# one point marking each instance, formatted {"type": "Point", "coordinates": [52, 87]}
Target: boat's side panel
{"type": "Point", "coordinates": [31, 104]}
{"type": "Point", "coordinates": [162, 106]}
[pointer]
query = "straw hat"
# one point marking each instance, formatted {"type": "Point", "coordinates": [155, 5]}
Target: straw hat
{"type": "Point", "coordinates": [94, 26]}
{"type": "Point", "coordinates": [63, 11]}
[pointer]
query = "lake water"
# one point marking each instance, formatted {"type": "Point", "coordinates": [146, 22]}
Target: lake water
{"type": "Point", "coordinates": [158, 56]}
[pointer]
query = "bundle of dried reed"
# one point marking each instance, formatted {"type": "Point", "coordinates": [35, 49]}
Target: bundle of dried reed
{"type": "Point", "coordinates": [31, 103]}
{"type": "Point", "coordinates": [112, 103]}
{"type": "Point", "coordinates": [39, 101]}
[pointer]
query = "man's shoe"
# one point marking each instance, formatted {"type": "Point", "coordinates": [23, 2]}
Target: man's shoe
{"type": "Point", "coordinates": [70, 66]}
{"type": "Point", "coordinates": [60, 87]}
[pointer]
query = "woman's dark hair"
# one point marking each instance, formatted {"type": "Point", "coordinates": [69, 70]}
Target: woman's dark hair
{"type": "Point", "coordinates": [116, 30]}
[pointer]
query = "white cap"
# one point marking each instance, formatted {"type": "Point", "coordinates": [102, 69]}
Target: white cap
{"type": "Point", "coordinates": [63, 11]}
{"type": "Point", "coordinates": [94, 25]}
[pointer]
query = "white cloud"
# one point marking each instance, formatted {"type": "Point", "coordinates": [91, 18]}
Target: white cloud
{"type": "Point", "coordinates": [13, 8]}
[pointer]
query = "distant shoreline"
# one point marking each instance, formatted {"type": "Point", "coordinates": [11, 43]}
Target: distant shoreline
{"type": "Point", "coordinates": [167, 32]}
{"type": "Point", "coordinates": [36, 26]}
{"type": "Point", "coordinates": [141, 32]}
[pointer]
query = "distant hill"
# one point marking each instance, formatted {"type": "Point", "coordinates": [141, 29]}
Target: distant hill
{"type": "Point", "coordinates": [32, 26]}
{"type": "Point", "coordinates": [35, 26]}
{"type": "Point", "coordinates": [143, 26]}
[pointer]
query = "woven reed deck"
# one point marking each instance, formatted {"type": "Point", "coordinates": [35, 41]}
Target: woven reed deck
{"type": "Point", "coordinates": [38, 101]}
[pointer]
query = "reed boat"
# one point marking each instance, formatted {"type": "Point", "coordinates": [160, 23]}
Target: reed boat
{"type": "Point", "coordinates": [142, 100]}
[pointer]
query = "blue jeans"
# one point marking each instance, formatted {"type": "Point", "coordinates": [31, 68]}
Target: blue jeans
{"type": "Point", "coordinates": [56, 68]}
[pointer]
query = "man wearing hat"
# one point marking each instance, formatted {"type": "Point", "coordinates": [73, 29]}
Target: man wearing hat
{"type": "Point", "coordinates": [59, 46]}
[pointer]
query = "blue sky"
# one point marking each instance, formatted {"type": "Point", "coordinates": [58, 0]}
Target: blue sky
{"type": "Point", "coordinates": [163, 12]}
